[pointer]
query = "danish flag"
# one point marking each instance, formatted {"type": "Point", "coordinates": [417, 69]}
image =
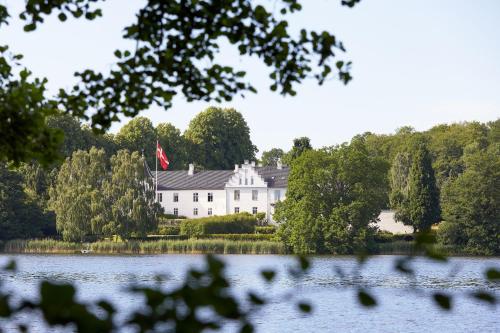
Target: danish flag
{"type": "Point", "coordinates": [160, 154]}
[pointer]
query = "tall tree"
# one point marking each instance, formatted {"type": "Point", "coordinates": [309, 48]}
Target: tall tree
{"type": "Point", "coordinates": [19, 217]}
{"type": "Point", "coordinates": [471, 203]}
{"type": "Point", "coordinates": [130, 197]}
{"type": "Point", "coordinates": [400, 182]}
{"type": "Point", "coordinates": [76, 198]}
{"type": "Point", "coordinates": [271, 157]}
{"type": "Point", "coordinates": [138, 135]}
{"type": "Point", "coordinates": [221, 138]}
{"type": "Point", "coordinates": [333, 196]}
{"type": "Point", "coordinates": [174, 144]}
{"type": "Point", "coordinates": [423, 195]}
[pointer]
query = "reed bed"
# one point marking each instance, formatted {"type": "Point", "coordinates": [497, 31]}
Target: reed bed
{"type": "Point", "coordinates": [189, 246]}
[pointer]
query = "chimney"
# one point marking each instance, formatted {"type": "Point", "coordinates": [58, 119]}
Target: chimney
{"type": "Point", "coordinates": [191, 169]}
{"type": "Point", "coordinates": [253, 164]}
{"type": "Point", "coordinates": [236, 168]}
{"type": "Point", "coordinates": [279, 166]}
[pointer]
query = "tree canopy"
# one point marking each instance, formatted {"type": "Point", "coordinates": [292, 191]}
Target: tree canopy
{"type": "Point", "coordinates": [220, 138]}
{"type": "Point", "coordinates": [169, 57]}
{"type": "Point", "coordinates": [333, 196]}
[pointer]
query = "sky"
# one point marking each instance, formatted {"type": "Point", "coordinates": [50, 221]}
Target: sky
{"type": "Point", "coordinates": [415, 62]}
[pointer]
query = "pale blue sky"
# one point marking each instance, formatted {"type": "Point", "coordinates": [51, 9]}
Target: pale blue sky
{"type": "Point", "coordinates": [415, 62]}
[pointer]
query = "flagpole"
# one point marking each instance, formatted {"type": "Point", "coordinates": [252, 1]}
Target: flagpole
{"type": "Point", "coordinates": [156, 187]}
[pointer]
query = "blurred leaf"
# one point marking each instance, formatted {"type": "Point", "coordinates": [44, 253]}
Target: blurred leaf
{"type": "Point", "coordinates": [268, 275]}
{"type": "Point", "coordinates": [255, 299]}
{"type": "Point", "coordinates": [444, 301]}
{"type": "Point", "coordinates": [493, 274]}
{"type": "Point", "coordinates": [11, 266]}
{"type": "Point", "coordinates": [366, 299]}
{"type": "Point", "coordinates": [304, 307]}
{"type": "Point", "coordinates": [485, 297]}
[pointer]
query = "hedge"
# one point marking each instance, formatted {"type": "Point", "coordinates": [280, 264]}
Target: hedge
{"type": "Point", "coordinates": [242, 223]}
{"type": "Point", "coordinates": [265, 230]}
{"type": "Point", "coordinates": [169, 230]}
{"type": "Point", "coordinates": [238, 237]}
{"type": "Point", "coordinates": [387, 237]}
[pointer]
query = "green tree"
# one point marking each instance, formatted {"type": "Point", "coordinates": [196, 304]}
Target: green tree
{"type": "Point", "coordinates": [399, 182]}
{"type": "Point", "coordinates": [423, 195]}
{"type": "Point", "coordinates": [19, 217]}
{"type": "Point", "coordinates": [271, 157]}
{"type": "Point", "coordinates": [333, 196]}
{"type": "Point", "coordinates": [300, 145]}
{"type": "Point", "coordinates": [129, 197]}
{"type": "Point", "coordinates": [139, 135]}
{"type": "Point", "coordinates": [76, 197]}
{"type": "Point", "coordinates": [174, 144]}
{"type": "Point", "coordinates": [220, 138]}
{"type": "Point", "coordinates": [471, 203]}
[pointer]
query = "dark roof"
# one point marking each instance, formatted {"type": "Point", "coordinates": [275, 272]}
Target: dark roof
{"type": "Point", "coordinates": [273, 176]}
{"type": "Point", "coordinates": [201, 180]}
{"type": "Point", "coordinates": [216, 179]}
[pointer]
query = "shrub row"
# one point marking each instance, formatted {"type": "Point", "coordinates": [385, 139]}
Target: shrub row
{"type": "Point", "coordinates": [242, 223]}
{"type": "Point", "coordinates": [217, 246]}
{"type": "Point", "coordinates": [238, 237]}
{"type": "Point", "coordinates": [265, 229]}
{"type": "Point", "coordinates": [387, 237]}
{"type": "Point", "coordinates": [169, 230]}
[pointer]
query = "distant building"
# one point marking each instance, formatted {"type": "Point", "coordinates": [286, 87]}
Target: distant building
{"type": "Point", "coordinates": [247, 188]}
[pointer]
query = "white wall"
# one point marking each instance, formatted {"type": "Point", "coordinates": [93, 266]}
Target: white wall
{"type": "Point", "coordinates": [246, 203]}
{"type": "Point", "coordinates": [272, 200]}
{"type": "Point", "coordinates": [186, 203]}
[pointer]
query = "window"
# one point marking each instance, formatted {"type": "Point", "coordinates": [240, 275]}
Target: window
{"type": "Point", "coordinates": [236, 210]}
{"type": "Point", "coordinates": [195, 211]}
{"type": "Point", "coordinates": [255, 195]}
{"type": "Point", "coordinates": [254, 210]}
{"type": "Point", "coordinates": [210, 197]}
{"type": "Point", "coordinates": [210, 211]}
{"type": "Point", "coordinates": [246, 181]}
{"type": "Point", "coordinates": [240, 180]}
{"type": "Point", "coordinates": [251, 181]}
{"type": "Point", "coordinates": [160, 197]}
{"type": "Point", "coordinates": [176, 211]}
{"type": "Point", "coordinates": [237, 195]}
{"type": "Point", "coordinates": [277, 195]}
{"type": "Point", "coordinates": [176, 197]}
{"type": "Point", "coordinates": [195, 197]}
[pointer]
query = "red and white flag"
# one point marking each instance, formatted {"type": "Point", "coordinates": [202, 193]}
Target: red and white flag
{"type": "Point", "coordinates": [160, 154]}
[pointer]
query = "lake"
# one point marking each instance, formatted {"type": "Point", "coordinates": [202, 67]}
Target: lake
{"type": "Point", "coordinates": [335, 308]}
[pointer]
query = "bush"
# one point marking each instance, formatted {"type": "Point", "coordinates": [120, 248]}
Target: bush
{"type": "Point", "coordinates": [169, 230]}
{"type": "Point", "coordinates": [238, 237]}
{"type": "Point", "coordinates": [387, 237]}
{"type": "Point", "coordinates": [242, 223]}
{"type": "Point", "coordinates": [266, 230]}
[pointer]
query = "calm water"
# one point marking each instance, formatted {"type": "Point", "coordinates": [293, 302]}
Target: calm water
{"type": "Point", "coordinates": [335, 307]}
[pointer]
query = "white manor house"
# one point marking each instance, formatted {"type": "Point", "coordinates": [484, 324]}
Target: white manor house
{"type": "Point", "coordinates": [247, 188]}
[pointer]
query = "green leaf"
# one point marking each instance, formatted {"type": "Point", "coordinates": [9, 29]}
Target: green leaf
{"type": "Point", "coordinates": [11, 266]}
{"type": "Point", "coordinates": [444, 301]}
{"type": "Point", "coordinates": [366, 299]}
{"type": "Point", "coordinates": [255, 299]}
{"type": "Point", "coordinates": [62, 17]}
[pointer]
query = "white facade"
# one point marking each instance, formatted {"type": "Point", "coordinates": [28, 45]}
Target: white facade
{"type": "Point", "coordinates": [245, 190]}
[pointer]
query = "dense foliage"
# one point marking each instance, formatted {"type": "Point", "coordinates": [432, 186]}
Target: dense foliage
{"type": "Point", "coordinates": [220, 138]}
{"type": "Point", "coordinates": [89, 198]}
{"type": "Point", "coordinates": [242, 223]}
{"type": "Point", "coordinates": [471, 203]}
{"type": "Point", "coordinates": [333, 196]}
